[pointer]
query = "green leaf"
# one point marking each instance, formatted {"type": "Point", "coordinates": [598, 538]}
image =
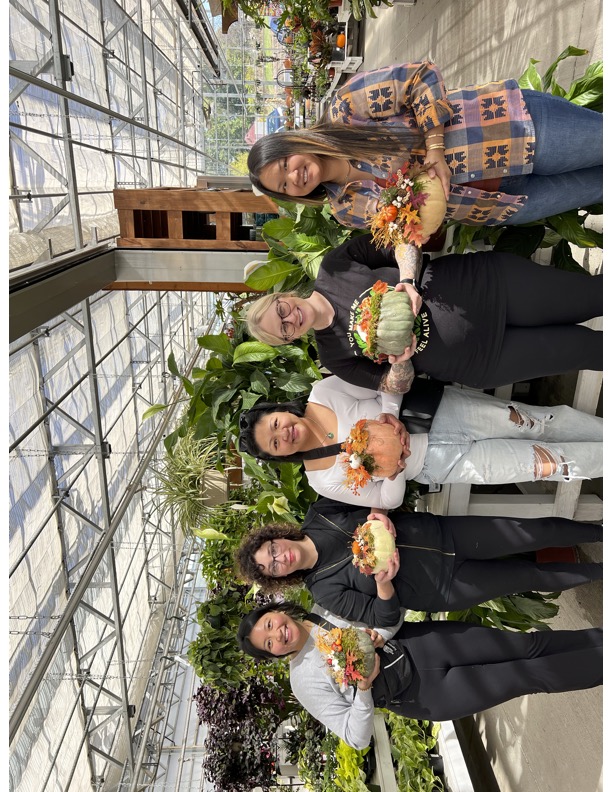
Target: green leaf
{"type": "Point", "coordinates": [205, 426]}
{"type": "Point", "coordinates": [171, 439]}
{"type": "Point", "coordinates": [198, 373]}
{"type": "Point", "coordinates": [278, 228]}
{"type": "Point", "coordinates": [209, 533]}
{"type": "Point", "coordinates": [269, 274]}
{"type": "Point", "coordinates": [521, 240]}
{"type": "Point", "coordinates": [294, 383]}
{"type": "Point", "coordinates": [153, 410]}
{"type": "Point", "coordinates": [570, 226]}
{"type": "Point", "coordinates": [213, 364]}
{"type": "Point", "coordinates": [188, 385]}
{"type": "Point", "coordinates": [172, 367]}
{"type": "Point", "coordinates": [530, 79]}
{"type": "Point", "coordinates": [562, 258]}
{"type": "Point", "coordinates": [254, 351]}
{"type": "Point", "coordinates": [219, 398]}
{"type": "Point", "coordinates": [216, 343]}
{"type": "Point", "coordinates": [249, 399]}
{"type": "Point", "coordinates": [568, 52]}
{"type": "Point", "coordinates": [260, 383]}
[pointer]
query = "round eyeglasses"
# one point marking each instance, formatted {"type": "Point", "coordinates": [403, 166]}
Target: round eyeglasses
{"type": "Point", "coordinates": [283, 309]}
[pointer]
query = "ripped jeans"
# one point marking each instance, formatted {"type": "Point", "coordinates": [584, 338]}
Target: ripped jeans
{"type": "Point", "coordinates": [479, 439]}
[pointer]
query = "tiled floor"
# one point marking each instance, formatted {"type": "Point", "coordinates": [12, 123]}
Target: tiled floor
{"type": "Point", "coordinates": [539, 743]}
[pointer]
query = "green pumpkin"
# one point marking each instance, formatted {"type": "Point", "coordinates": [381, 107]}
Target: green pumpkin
{"type": "Point", "coordinates": [394, 328]}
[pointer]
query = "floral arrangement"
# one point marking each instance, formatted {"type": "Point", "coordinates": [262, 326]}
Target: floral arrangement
{"type": "Point", "coordinates": [358, 464]}
{"type": "Point", "coordinates": [383, 322]}
{"type": "Point", "coordinates": [411, 207]}
{"type": "Point", "coordinates": [372, 546]}
{"type": "Point", "coordinates": [348, 652]}
{"type": "Point", "coordinates": [372, 448]}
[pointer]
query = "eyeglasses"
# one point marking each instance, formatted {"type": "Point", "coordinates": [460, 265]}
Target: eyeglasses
{"type": "Point", "coordinates": [283, 309]}
{"type": "Point", "coordinates": [274, 552]}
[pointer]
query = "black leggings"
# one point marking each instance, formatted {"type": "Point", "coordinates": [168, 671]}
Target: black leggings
{"type": "Point", "coordinates": [481, 574]}
{"type": "Point", "coordinates": [543, 309]}
{"type": "Point", "coordinates": [460, 669]}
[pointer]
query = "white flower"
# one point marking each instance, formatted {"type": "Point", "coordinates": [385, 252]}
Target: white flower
{"type": "Point", "coordinates": [355, 461]}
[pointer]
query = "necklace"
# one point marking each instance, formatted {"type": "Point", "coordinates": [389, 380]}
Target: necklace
{"type": "Point", "coordinates": [328, 435]}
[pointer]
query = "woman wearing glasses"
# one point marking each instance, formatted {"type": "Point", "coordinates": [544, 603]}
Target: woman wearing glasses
{"type": "Point", "coordinates": [473, 438]}
{"type": "Point", "coordinates": [484, 319]}
{"type": "Point", "coordinates": [440, 563]}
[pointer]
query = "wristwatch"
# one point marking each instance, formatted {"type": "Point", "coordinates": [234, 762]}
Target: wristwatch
{"type": "Point", "coordinates": [412, 282]}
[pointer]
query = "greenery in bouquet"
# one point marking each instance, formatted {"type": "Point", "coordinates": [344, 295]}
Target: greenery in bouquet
{"type": "Point", "coordinates": [410, 207]}
{"type": "Point", "coordinates": [348, 652]}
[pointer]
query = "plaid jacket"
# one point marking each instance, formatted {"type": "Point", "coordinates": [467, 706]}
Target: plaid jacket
{"type": "Point", "coordinates": [489, 134]}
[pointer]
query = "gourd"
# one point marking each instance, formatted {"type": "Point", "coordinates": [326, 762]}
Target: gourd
{"type": "Point", "coordinates": [395, 322]}
{"type": "Point", "coordinates": [384, 545]}
{"type": "Point", "coordinates": [384, 446]}
{"type": "Point", "coordinates": [433, 210]}
{"type": "Point", "coordinates": [369, 655]}
{"type": "Point", "coordinates": [340, 40]}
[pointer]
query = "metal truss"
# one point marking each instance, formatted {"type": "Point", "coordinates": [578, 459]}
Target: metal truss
{"type": "Point", "coordinates": [83, 654]}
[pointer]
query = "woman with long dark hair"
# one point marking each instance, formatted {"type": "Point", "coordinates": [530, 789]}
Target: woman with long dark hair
{"type": "Point", "coordinates": [440, 563]}
{"type": "Point", "coordinates": [429, 670]}
{"type": "Point", "coordinates": [504, 155]}
{"type": "Point", "coordinates": [472, 438]}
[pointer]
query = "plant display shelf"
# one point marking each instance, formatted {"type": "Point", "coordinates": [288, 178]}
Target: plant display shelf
{"type": "Point", "coordinates": [189, 218]}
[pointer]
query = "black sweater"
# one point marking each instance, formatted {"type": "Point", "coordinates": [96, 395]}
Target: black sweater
{"type": "Point", "coordinates": [425, 573]}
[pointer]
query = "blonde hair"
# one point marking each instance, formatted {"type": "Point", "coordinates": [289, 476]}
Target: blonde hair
{"type": "Point", "coordinates": [257, 310]}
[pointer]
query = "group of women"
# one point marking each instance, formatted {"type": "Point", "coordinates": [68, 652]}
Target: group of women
{"type": "Point", "coordinates": [503, 155]}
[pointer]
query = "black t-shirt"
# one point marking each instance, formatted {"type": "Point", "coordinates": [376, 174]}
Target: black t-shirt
{"type": "Point", "coordinates": [462, 319]}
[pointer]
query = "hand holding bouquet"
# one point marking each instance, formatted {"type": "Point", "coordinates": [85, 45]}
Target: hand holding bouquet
{"type": "Point", "coordinates": [372, 547]}
{"type": "Point", "coordinates": [410, 208]}
{"type": "Point", "coordinates": [371, 449]}
{"type": "Point", "coordinates": [348, 652]}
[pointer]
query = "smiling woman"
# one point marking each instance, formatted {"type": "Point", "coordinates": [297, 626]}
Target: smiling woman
{"type": "Point", "coordinates": [301, 174]}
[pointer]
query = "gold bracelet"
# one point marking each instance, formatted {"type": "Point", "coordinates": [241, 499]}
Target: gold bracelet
{"type": "Point", "coordinates": [436, 135]}
{"type": "Point", "coordinates": [437, 146]}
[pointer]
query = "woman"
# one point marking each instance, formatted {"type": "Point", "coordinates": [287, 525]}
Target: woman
{"type": "Point", "coordinates": [504, 155]}
{"type": "Point", "coordinates": [484, 319]}
{"type": "Point", "coordinates": [440, 563]}
{"type": "Point", "coordinates": [474, 438]}
{"type": "Point", "coordinates": [429, 670]}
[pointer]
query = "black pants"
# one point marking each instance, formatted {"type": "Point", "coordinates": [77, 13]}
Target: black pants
{"type": "Point", "coordinates": [543, 309]}
{"type": "Point", "coordinates": [481, 574]}
{"type": "Point", "coordinates": [460, 669]}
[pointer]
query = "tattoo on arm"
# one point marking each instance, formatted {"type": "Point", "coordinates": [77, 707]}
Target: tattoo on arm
{"type": "Point", "coordinates": [398, 378]}
{"type": "Point", "coordinates": [409, 260]}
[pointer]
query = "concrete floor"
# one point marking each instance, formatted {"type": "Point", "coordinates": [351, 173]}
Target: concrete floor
{"type": "Point", "coordinates": [538, 743]}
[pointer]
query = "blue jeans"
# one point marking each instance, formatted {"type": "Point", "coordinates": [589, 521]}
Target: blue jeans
{"type": "Point", "coordinates": [568, 160]}
{"type": "Point", "coordinates": [474, 441]}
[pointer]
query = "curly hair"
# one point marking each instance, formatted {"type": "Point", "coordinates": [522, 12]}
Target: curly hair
{"type": "Point", "coordinates": [245, 628]}
{"type": "Point", "coordinates": [250, 571]}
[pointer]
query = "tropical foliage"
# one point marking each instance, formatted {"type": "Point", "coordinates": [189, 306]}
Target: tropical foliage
{"type": "Point", "coordinates": [557, 231]}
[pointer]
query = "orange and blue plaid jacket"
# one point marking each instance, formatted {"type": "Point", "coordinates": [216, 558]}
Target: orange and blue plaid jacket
{"type": "Point", "coordinates": [488, 134]}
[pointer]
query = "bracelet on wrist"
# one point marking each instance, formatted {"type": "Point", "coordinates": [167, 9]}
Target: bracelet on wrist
{"type": "Point", "coordinates": [438, 134]}
{"type": "Point", "coordinates": [435, 146]}
{"type": "Point", "coordinates": [412, 282]}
